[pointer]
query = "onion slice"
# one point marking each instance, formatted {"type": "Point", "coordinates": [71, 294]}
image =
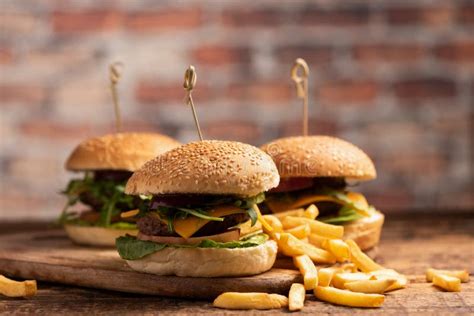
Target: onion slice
{"type": "Point", "coordinates": [230, 235]}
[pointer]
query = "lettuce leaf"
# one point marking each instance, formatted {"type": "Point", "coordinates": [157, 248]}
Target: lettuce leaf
{"type": "Point", "coordinates": [345, 215]}
{"type": "Point", "coordinates": [131, 248]}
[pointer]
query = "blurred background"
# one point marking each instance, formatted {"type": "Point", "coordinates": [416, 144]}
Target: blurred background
{"type": "Point", "coordinates": [394, 77]}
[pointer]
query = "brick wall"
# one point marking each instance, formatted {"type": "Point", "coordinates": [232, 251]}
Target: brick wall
{"type": "Point", "coordinates": [394, 77]}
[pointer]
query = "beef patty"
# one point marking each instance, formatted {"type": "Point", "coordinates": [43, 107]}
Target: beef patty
{"type": "Point", "coordinates": [153, 226]}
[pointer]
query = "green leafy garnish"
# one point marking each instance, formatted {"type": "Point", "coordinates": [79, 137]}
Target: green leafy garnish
{"type": "Point", "coordinates": [201, 214]}
{"type": "Point", "coordinates": [105, 196]}
{"type": "Point", "coordinates": [342, 218]}
{"type": "Point", "coordinates": [253, 215]}
{"type": "Point", "coordinates": [131, 248]}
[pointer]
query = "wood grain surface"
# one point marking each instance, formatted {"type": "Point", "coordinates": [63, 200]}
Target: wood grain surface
{"type": "Point", "coordinates": [50, 256]}
{"type": "Point", "coordinates": [410, 244]}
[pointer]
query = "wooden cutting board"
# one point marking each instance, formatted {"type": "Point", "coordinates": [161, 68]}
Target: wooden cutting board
{"type": "Point", "coordinates": [50, 256]}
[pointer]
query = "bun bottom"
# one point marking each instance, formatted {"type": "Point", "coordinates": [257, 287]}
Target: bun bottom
{"type": "Point", "coordinates": [366, 231]}
{"type": "Point", "coordinates": [208, 262]}
{"type": "Point", "coordinates": [96, 236]}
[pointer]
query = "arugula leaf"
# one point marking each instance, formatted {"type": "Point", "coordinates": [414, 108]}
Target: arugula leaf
{"type": "Point", "coordinates": [131, 248]}
{"type": "Point", "coordinates": [253, 216]}
{"type": "Point", "coordinates": [201, 214]}
{"type": "Point", "coordinates": [107, 197]}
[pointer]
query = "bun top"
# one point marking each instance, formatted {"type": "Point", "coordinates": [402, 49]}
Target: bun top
{"type": "Point", "coordinates": [121, 151]}
{"type": "Point", "coordinates": [319, 156]}
{"type": "Point", "coordinates": [207, 167]}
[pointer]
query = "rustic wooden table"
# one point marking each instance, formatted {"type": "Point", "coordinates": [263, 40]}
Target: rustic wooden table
{"type": "Point", "coordinates": [410, 244]}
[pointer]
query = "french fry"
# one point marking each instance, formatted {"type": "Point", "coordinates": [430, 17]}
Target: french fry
{"type": "Point", "coordinates": [447, 283]}
{"type": "Point", "coordinates": [387, 274]}
{"type": "Point", "coordinates": [325, 276]}
{"type": "Point", "coordinates": [292, 246]}
{"type": "Point", "coordinates": [300, 232]}
{"type": "Point", "coordinates": [360, 259]}
{"type": "Point", "coordinates": [12, 288]}
{"type": "Point", "coordinates": [296, 297]}
{"type": "Point", "coordinates": [370, 286]}
{"type": "Point", "coordinates": [299, 212]}
{"type": "Point", "coordinates": [317, 227]}
{"type": "Point", "coordinates": [253, 300]}
{"type": "Point", "coordinates": [308, 270]}
{"type": "Point", "coordinates": [267, 228]}
{"type": "Point", "coordinates": [317, 240]}
{"type": "Point", "coordinates": [311, 212]}
{"type": "Point", "coordinates": [348, 298]}
{"type": "Point", "coordinates": [340, 279]}
{"type": "Point", "coordinates": [131, 213]}
{"type": "Point", "coordinates": [246, 228]}
{"type": "Point", "coordinates": [338, 248]}
{"type": "Point", "coordinates": [463, 275]}
{"type": "Point", "coordinates": [349, 267]}
{"type": "Point", "coordinates": [274, 222]}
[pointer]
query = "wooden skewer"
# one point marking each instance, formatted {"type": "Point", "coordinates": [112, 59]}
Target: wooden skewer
{"type": "Point", "coordinates": [115, 73]}
{"type": "Point", "coordinates": [301, 82]}
{"type": "Point", "coordinates": [190, 79]}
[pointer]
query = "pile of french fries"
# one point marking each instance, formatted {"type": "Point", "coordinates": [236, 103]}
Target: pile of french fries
{"type": "Point", "coordinates": [349, 277]}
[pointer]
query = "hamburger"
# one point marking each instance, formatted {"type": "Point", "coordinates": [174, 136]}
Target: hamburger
{"type": "Point", "coordinates": [202, 220]}
{"type": "Point", "coordinates": [92, 215]}
{"type": "Point", "coordinates": [318, 170]}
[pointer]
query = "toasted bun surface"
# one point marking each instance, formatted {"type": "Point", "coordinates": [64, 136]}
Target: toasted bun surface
{"type": "Point", "coordinates": [208, 262]}
{"type": "Point", "coordinates": [365, 231]}
{"type": "Point", "coordinates": [207, 167]}
{"type": "Point", "coordinates": [319, 156]}
{"type": "Point", "coordinates": [121, 151]}
{"type": "Point", "coordinates": [96, 236]}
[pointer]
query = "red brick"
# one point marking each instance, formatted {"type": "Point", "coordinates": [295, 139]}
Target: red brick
{"type": "Point", "coordinates": [18, 23]}
{"type": "Point", "coordinates": [434, 16]}
{"type": "Point", "coordinates": [85, 21]}
{"type": "Point", "coordinates": [60, 131]}
{"type": "Point", "coordinates": [388, 52]}
{"type": "Point", "coordinates": [218, 55]}
{"type": "Point", "coordinates": [346, 91]}
{"type": "Point", "coordinates": [357, 15]}
{"type": "Point", "coordinates": [261, 91]}
{"type": "Point", "coordinates": [432, 164]}
{"type": "Point", "coordinates": [312, 54]}
{"type": "Point", "coordinates": [20, 205]}
{"type": "Point", "coordinates": [164, 20]}
{"type": "Point", "coordinates": [315, 126]}
{"type": "Point", "coordinates": [6, 55]}
{"type": "Point", "coordinates": [151, 93]}
{"type": "Point", "coordinates": [243, 131]}
{"type": "Point", "coordinates": [21, 93]}
{"type": "Point", "coordinates": [466, 13]}
{"type": "Point", "coordinates": [427, 88]}
{"type": "Point", "coordinates": [460, 51]}
{"type": "Point", "coordinates": [391, 200]}
{"type": "Point", "coordinates": [257, 17]}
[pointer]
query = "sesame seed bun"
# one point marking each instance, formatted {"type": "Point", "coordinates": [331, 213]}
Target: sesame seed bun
{"type": "Point", "coordinates": [121, 151]}
{"type": "Point", "coordinates": [96, 236]}
{"type": "Point", "coordinates": [207, 167]}
{"type": "Point", "coordinates": [319, 156]}
{"type": "Point", "coordinates": [208, 262]}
